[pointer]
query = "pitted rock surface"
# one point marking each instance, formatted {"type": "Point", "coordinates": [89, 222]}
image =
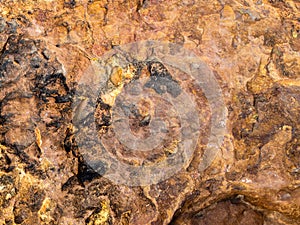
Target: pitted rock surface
{"type": "Point", "coordinates": [252, 47]}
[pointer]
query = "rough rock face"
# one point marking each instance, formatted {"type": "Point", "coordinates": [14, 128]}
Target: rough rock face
{"type": "Point", "coordinates": [252, 47]}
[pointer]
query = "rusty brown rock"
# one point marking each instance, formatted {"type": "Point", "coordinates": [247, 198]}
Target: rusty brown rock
{"type": "Point", "coordinates": [252, 48]}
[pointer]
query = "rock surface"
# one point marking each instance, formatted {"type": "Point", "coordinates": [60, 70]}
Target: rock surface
{"type": "Point", "coordinates": [252, 47]}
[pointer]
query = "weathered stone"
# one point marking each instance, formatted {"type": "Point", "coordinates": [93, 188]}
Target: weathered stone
{"type": "Point", "coordinates": [48, 47]}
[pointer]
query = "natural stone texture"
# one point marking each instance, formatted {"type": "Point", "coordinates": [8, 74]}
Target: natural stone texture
{"type": "Point", "coordinates": [253, 49]}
